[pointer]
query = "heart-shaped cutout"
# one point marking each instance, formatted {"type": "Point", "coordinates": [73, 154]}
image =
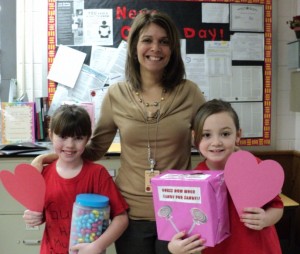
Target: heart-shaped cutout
{"type": "Point", "coordinates": [252, 183]}
{"type": "Point", "coordinates": [26, 185]}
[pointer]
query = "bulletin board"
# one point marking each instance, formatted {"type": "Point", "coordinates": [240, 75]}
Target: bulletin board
{"type": "Point", "coordinates": [234, 37]}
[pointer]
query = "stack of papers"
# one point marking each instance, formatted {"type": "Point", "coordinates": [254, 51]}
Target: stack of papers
{"type": "Point", "coordinates": [24, 147]}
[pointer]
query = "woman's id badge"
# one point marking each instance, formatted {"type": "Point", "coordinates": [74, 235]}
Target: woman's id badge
{"type": "Point", "coordinates": [148, 175]}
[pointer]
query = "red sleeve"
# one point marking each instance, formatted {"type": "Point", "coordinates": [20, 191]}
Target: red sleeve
{"type": "Point", "coordinates": [117, 203]}
{"type": "Point", "coordinates": [104, 184]}
{"type": "Point", "coordinates": [276, 202]}
{"type": "Point", "coordinates": [201, 166]}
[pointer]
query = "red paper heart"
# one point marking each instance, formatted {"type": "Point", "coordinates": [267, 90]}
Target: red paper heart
{"type": "Point", "coordinates": [252, 184]}
{"type": "Point", "coordinates": [26, 185]}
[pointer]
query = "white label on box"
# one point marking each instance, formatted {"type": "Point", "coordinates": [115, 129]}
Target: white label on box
{"type": "Point", "coordinates": [199, 176]}
{"type": "Point", "coordinates": [180, 194]}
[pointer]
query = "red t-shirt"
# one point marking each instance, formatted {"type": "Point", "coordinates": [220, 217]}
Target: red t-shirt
{"type": "Point", "coordinates": [242, 239]}
{"type": "Point", "coordinates": [60, 197]}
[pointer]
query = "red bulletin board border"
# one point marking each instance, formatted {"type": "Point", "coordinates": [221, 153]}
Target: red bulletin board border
{"type": "Point", "coordinates": [51, 45]}
{"type": "Point", "coordinates": [263, 141]}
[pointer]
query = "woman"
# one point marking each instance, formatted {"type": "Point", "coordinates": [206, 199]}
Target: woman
{"type": "Point", "coordinates": [154, 111]}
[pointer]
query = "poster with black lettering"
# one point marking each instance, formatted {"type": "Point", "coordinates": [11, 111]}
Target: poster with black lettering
{"type": "Point", "coordinates": [108, 22]}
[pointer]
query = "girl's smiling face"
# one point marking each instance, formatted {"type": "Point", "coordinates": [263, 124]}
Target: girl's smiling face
{"type": "Point", "coordinates": [153, 49]}
{"type": "Point", "coordinates": [69, 149]}
{"type": "Point", "coordinates": [219, 138]}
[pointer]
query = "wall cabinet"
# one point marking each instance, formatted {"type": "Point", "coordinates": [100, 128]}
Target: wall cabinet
{"type": "Point", "coordinates": [16, 238]}
{"type": "Point", "coordinates": [294, 54]}
{"type": "Point", "coordinates": [295, 91]}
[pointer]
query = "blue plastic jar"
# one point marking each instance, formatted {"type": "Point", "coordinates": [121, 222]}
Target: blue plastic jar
{"type": "Point", "coordinates": [90, 218]}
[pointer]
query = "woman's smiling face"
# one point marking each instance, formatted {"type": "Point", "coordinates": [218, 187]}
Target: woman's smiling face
{"type": "Point", "coordinates": [153, 49]}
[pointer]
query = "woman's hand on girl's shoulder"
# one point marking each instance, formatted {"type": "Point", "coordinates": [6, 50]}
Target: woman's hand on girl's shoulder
{"type": "Point", "coordinates": [43, 159]}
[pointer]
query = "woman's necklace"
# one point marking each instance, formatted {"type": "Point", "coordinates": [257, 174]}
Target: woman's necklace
{"type": "Point", "coordinates": [156, 114]}
{"type": "Point", "coordinates": [151, 115]}
{"type": "Point", "coordinates": [153, 104]}
{"type": "Point", "coordinates": [151, 109]}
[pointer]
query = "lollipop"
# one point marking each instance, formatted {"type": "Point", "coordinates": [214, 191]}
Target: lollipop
{"type": "Point", "coordinates": [199, 217]}
{"type": "Point", "coordinates": [166, 212]}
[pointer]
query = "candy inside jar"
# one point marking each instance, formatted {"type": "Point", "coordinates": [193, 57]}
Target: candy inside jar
{"type": "Point", "coordinates": [90, 218]}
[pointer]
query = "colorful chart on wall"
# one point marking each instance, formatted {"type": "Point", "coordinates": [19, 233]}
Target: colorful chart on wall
{"type": "Point", "coordinates": [226, 46]}
{"type": "Point", "coordinates": [17, 120]}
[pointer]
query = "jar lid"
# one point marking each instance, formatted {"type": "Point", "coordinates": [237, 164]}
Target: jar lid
{"type": "Point", "coordinates": [92, 200]}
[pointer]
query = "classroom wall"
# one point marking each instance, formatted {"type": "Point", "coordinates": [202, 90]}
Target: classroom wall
{"type": "Point", "coordinates": [288, 122]}
{"type": "Point", "coordinates": [32, 70]}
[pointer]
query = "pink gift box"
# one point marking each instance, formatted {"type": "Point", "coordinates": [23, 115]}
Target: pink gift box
{"type": "Point", "coordinates": [194, 201]}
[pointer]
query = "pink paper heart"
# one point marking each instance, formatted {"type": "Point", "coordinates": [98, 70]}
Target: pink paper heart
{"type": "Point", "coordinates": [26, 185]}
{"type": "Point", "coordinates": [252, 184]}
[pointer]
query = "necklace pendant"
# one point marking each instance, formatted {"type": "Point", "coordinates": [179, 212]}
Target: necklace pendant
{"type": "Point", "coordinates": [152, 115]}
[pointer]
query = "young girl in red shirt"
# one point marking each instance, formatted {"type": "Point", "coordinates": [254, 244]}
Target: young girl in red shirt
{"type": "Point", "coordinates": [216, 134]}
